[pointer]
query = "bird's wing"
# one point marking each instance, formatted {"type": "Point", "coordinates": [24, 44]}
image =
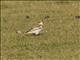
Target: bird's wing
{"type": "Point", "coordinates": [34, 29]}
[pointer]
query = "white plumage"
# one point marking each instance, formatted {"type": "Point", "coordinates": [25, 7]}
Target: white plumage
{"type": "Point", "coordinates": [37, 29]}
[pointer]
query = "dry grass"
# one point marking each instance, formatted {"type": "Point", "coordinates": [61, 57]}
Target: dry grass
{"type": "Point", "coordinates": [61, 42]}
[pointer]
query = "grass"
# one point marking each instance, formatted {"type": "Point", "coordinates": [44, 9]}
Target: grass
{"type": "Point", "coordinates": [61, 42]}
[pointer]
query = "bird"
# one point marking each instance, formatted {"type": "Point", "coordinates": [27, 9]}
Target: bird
{"type": "Point", "coordinates": [36, 30]}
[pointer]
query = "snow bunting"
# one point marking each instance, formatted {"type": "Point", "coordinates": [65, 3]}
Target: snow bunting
{"type": "Point", "coordinates": [36, 30]}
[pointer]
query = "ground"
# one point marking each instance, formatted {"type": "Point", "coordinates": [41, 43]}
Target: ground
{"type": "Point", "coordinates": [60, 42]}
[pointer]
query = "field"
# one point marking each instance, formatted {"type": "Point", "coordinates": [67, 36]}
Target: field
{"type": "Point", "coordinates": [60, 42]}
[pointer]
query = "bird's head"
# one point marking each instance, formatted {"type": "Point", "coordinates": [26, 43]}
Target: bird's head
{"type": "Point", "coordinates": [41, 23]}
